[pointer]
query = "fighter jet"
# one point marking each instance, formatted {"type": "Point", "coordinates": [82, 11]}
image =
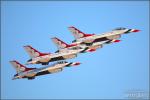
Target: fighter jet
{"type": "Point", "coordinates": [62, 46]}
{"type": "Point", "coordinates": [31, 73]}
{"type": "Point", "coordinates": [90, 39]}
{"type": "Point", "coordinates": [44, 58]}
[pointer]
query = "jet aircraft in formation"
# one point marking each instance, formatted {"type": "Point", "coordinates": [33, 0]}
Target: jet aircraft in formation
{"type": "Point", "coordinates": [30, 73]}
{"type": "Point", "coordinates": [83, 43]}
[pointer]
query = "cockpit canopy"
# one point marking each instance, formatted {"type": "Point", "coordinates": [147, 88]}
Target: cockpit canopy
{"type": "Point", "coordinates": [15, 75]}
{"type": "Point", "coordinates": [120, 28]}
{"type": "Point", "coordinates": [29, 60]}
{"type": "Point", "coordinates": [76, 48]}
{"type": "Point", "coordinates": [61, 62]}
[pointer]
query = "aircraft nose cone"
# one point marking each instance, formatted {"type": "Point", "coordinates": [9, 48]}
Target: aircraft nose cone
{"type": "Point", "coordinates": [135, 30]}
{"type": "Point", "coordinates": [14, 78]}
{"type": "Point", "coordinates": [77, 63]}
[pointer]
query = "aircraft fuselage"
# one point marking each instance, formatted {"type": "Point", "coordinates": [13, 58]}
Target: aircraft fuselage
{"type": "Point", "coordinates": [68, 54]}
{"type": "Point", "coordinates": [54, 68]}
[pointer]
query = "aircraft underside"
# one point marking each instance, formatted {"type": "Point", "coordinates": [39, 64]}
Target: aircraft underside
{"type": "Point", "coordinates": [43, 73]}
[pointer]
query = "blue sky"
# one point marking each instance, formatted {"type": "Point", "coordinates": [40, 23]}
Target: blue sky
{"type": "Point", "coordinates": [107, 73]}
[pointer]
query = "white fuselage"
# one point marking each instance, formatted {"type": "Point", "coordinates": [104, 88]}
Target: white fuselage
{"type": "Point", "coordinates": [56, 67]}
{"type": "Point", "coordinates": [66, 54]}
{"type": "Point", "coordinates": [90, 43]}
{"type": "Point", "coordinates": [110, 35]}
{"type": "Point", "coordinates": [83, 47]}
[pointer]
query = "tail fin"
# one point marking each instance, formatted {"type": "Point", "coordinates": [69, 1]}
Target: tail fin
{"type": "Point", "coordinates": [19, 67]}
{"type": "Point", "coordinates": [33, 52]}
{"type": "Point", "coordinates": [60, 44]}
{"type": "Point", "coordinates": [77, 33]}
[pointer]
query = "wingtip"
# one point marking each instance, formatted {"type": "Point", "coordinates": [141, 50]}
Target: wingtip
{"type": "Point", "coordinates": [54, 38]}
{"type": "Point", "coordinates": [13, 61]}
{"type": "Point", "coordinates": [26, 46]}
{"type": "Point", "coordinates": [71, 27]}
